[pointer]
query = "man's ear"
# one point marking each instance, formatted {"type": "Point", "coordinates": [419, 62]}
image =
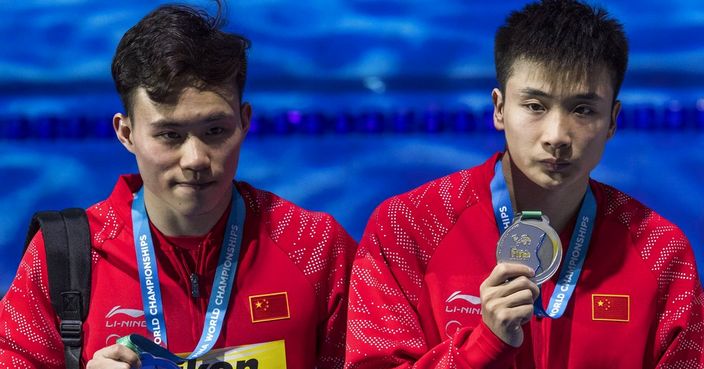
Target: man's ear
{"type": "Point", "coordinates": [498, 100]}
{"type": "Point", "coordinates": [245, 116]}
{"type": "Point", "coordinates": [123, 130]}
{"type": "Point", "coordinates": [614, 118]}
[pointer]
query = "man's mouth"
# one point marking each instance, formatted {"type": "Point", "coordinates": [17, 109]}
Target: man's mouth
{"type": "Point", "coordinates": [195, 185]}
{"type": "Point", "coordinates": [555, 165]}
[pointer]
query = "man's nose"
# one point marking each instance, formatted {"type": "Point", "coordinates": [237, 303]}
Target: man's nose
{"type": "Point", "coordinates": [556, 133]}
{"type": "Point", "coordinates": [194, 155]}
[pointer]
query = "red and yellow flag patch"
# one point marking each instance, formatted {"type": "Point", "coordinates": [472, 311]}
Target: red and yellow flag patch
{"type": "Point", "coordinates": [613, 308]}
{"type": "Point", "coordinates": [268, 307]}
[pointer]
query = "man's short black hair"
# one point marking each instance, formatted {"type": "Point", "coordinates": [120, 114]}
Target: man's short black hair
{"type": "Point", "coordinates": [567, 37]}
{"type": "Point", "coordinates": [177, 46]}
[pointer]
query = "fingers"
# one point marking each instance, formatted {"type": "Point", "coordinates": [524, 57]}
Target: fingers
{"type": "Point", "coordinates": [518, 284]}
{"type": "Point", "coordinates": [509, 286]}
{"type": "Point", "coordinates": [507, 297]}
{"type": "Point", "coordinates": [500, 298]}
{"type": "Point", "coordinates": [509, 309]}
{"type": "Point", "coordinates": [512, 317]}
{"type": "Point", "coordinates": [507, 271]}
{"type": "Point", "coordinates": [114, 357]}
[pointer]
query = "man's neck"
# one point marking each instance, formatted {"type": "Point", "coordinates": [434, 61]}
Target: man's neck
{"type": "Point", "coordinates": [172, 223]}
{"type": "Point", "coordinates": [560, 206]}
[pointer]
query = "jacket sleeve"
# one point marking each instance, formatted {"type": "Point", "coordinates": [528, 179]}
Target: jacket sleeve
{"type": "Point", "coordinates": [680, 324]}
{"type": "Point", "coordinates": [386, 329]}
{"type": "Point", "coordinates": [341, 249]}
{"type": "Point", "coordinates": [29, 337]}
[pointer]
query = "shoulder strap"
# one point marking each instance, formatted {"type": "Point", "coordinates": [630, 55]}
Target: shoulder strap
{"type": "Point", "coordinates": [68, 254]}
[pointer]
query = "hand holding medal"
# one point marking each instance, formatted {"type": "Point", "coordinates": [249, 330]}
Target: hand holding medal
{"type": "Point", "coordinates": [528, 253]}
{"type": "Point", "coordinates": [531, 241]}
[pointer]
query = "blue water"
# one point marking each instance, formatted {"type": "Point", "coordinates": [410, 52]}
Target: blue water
{"type": "Point", "coordinates": [330, 57]}
{"type": "Point", "coordinates": [346, 176]}
{"type": "Point", "coordinates": [56, 55]}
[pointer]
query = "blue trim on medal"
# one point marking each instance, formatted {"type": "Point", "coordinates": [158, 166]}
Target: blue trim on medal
{"type": "Point", "coordinates": [576, 253]}
{"type": "Point", "coordinates": [222, 285]}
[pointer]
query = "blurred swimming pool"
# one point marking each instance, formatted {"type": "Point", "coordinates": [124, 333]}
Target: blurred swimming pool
{"type": "Point", "coordinates": [345, 175]}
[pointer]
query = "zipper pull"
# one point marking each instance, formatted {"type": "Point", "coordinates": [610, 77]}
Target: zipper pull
{"type": "Point", "coordinates": [195, 289]}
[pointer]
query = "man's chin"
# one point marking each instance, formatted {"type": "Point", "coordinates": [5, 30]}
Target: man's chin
{"type": "Point", "coordinates": [191, 212]}
{"type": "Point", "coordinates": [193, 207]}
{"type": "Point", "coordinates": [197, 203]}
{"type": "Point", "coordinates": [552, 181]}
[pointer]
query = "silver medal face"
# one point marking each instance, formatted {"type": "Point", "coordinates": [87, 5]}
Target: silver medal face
{"type": "Point", "coordinates": [533, 243]}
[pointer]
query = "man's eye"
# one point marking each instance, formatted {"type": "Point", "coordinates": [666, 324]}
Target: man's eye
{"type": "Point", "coordinates": [583, 110]}
{"type": "Point", "coordinates": [533, 107]}
{"type": "Point", "coordinates": [171, 136]}
{"type": "Point", "coordinates": [215, 131]}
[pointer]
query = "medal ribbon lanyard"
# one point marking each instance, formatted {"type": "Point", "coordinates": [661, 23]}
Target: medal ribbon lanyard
{"type": "Point", "coordinates": [222, 285]}
{"type": "Point", "coordinates": [576, 253]}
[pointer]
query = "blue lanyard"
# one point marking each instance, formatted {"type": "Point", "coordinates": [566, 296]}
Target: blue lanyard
{"type": "Point", "coordinates": [576, 253]}
{"type": "Point", "coordinates": [501, 199]}
{"type": "Point", "coordinates": [222, 285]}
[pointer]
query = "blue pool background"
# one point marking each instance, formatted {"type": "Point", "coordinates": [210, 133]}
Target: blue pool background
{"type": "Point", "coordinates": [354, 101]}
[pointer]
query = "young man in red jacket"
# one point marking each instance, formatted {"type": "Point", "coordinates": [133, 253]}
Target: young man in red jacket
{"type": "Point", "coordinates": [182, 255]}
{"type": "Point", "coordinates": [426, 289]}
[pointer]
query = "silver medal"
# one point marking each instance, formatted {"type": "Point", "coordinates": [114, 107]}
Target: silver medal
{"type": "Point", "coordinates": [531, 241]}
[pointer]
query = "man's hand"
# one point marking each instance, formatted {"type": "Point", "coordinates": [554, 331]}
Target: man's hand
{"type": "Point", "coordinates": [507, 301]}
{"type": "Point", "coordinates": [116, 356]}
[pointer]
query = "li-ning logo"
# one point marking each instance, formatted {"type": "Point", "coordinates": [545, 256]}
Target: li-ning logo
{"type": "Point", "coordinates": [473, 300]}
{"type": "Point", "coordinates": [113, 318]}
{"type": "Point", "coordinates": [129, 312]}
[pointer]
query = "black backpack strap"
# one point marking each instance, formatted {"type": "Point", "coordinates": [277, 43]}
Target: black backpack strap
{"type": "Point", "coordinates": [68, 255]}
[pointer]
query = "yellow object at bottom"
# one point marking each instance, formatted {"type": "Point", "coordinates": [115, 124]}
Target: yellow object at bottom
{"type": "Point", "coordinates": [267, 355]}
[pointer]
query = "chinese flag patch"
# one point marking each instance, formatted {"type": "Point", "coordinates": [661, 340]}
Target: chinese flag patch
{"type": "Point", "coordinates": [613, 308]}
{"type": "Point", "coordinates": [272, 306]}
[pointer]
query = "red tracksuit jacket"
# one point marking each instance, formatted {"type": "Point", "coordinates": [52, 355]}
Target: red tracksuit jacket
{"type": "Point", "coordinates": [414, 292]}
{"type": "Point", "coordinates": [289, 297]}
